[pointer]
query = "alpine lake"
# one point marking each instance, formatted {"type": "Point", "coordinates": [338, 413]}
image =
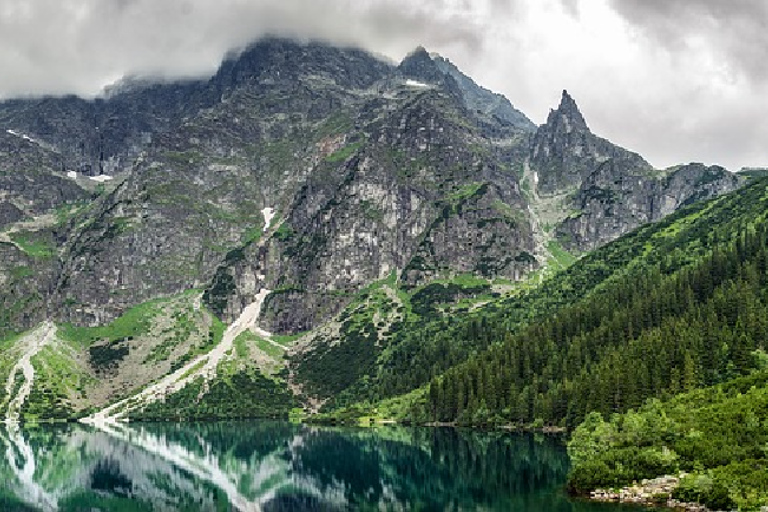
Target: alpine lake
{"type": "Point", "coordinates": [279, 466]}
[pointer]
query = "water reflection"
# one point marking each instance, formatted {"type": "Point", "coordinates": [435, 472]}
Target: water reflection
{"type": "Point", "coordinates": [273, 467]}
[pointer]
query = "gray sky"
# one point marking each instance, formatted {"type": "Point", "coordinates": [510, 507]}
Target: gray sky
{"type": "Point", "coordinates": [675, 80]}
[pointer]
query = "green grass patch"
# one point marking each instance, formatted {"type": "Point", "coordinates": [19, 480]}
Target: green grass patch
{"type": "Point", "coordinates": [269, 349]}
{"type": "Point", "coordinates": [36, 244]}
{"type": "Point", "coordinates": [340, 155]}
{"type": "Point", "coordinates": [287, 340]}
{"type": "Point", "coordinates": [560, 257]}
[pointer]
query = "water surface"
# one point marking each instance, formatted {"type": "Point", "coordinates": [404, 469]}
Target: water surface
{"type": "Point", "coordinates": [271, 466]}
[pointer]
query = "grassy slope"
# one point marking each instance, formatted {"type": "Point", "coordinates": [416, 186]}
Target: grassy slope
{"type": "Point", "coordinates": [88, 367]}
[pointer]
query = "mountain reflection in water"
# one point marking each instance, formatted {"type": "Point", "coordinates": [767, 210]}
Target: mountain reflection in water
{"type": "Point", "coordinates": [274, 466]}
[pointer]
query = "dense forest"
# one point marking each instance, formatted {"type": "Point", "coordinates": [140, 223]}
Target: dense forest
{"type": "Point", "coordinates": [661, 330]}
{"type": "Point", "coordinates": [653, 348]}
{"type": "Point", "coordinates": [716, 435]}
{"type": "Point", "coordinates": [670, 307]}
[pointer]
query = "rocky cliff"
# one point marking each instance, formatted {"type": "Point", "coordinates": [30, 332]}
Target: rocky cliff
{"type": "Point", "coordinates": [604, 190]}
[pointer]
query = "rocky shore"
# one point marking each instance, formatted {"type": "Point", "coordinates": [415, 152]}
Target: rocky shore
{"type": "Point", "coordinates": [655, 492]}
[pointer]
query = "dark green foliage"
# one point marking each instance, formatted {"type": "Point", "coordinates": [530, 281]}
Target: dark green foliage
{"type": "Point", "coordinates": [620, 467]}
{"type": "Point", "coordinates": [328, 370]}
{"type": "Point", "coordinates": [716, 434]}
{"type": "Point", "coordinates": [46, 403]}
{"type": "Point", "coordinates": [108, 356]}
{"type": "Point", "coordinates": [222, 286]}
{"type": "Point", "coordinates": [246, 394]}
{"type": "Point", "coordinates": [669, 308]}
{"type": "Point", "coordinates": [425, 301]}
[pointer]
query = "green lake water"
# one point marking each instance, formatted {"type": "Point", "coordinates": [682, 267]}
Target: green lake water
{"type": "Point", "coordinates": [271, 466]}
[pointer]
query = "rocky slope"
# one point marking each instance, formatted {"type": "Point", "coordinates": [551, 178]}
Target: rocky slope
{"type": "Point", "coordinates": [307, 171]}
{"type": "Point", "coordinates": [601, 190]}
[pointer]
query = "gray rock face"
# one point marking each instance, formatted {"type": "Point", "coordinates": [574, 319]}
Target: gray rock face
{"type": "Point", "coordinates": [564, 152]}
{"type": "Point", "coordinates": [29, 177]}
{"type": "Point", "coordinates": [610, 191]}
{"type": "Point", "coordinates": [9, 214]}
{"type": "Point", "coordinates": [483, 102]}
{"type": "Point", "coordinates": [413, 197]}
{"type": "Point", "coordinates": [612, 203]}
{"type": "Point", "coordinates": [25, 281]}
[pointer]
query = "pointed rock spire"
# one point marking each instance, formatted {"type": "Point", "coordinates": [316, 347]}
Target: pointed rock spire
{"type": "Point", "coordinates": [568, 113]}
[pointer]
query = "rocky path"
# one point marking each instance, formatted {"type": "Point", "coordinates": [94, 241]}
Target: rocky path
{"type": "Point", "coordinates": [32, 343]}
{"type": "Point", "coordinates": [202, 366]}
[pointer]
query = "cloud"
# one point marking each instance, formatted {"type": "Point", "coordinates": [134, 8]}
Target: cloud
{"type": "Point", "coordinates": [734, 30]}
{"type": "Point", "coordinates": [57, 46]}
{"type": "Point", "coordinates": [676, 80]}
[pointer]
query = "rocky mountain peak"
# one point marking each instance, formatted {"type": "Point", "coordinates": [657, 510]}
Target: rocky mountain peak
{"type": "Point", "coordinates": [419, 65]}
{"type": "Point", "coordinates": [568, 115]}
{"type": "Point", "coordinates": [482, 101]}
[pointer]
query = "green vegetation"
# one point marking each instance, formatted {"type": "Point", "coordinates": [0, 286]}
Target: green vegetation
{"type": "Point", "coordinates": [134, 322]}
{"type": "Point", "coordinates": [560, 257]}
{"type": "Point", "coordinates": [341, 155]}
{"type": "Point", "coordinates": [663, 327]}
{"type": "Point", "coordinates": [37, 244]}
{"type": "Point", "coordinates": [244, 394]}
{"type": "Point", "coordinates": [671, 307]}
{"type": "Point", "coordinates": [717, 435]}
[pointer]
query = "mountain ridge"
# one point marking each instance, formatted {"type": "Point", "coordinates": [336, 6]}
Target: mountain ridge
{"type": "Point", "coordinates": [372, 172]}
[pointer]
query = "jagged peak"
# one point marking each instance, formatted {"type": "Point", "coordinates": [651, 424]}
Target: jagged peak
{"type": "Point", "coordinates": [419, 52]}
{"type": "Point", "coordinates": [568, 111]}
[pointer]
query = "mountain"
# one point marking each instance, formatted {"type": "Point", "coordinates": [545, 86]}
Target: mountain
{"type": "Point", "coordinates": [600, 190]}
{"type": "Point", "coordinates": [305, 200]}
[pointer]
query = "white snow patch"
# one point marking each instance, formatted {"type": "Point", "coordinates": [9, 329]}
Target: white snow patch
{"type": "Point", "coordinates": [415, 83]}
{"type": "Point", "coordinates": [102, 178]}
{"type": "Point", "coordinates": [23, 136]}
{"type": "Point", "coordinates": [72, 174]}
{"type": "Point", "coordinates": [269, 214]}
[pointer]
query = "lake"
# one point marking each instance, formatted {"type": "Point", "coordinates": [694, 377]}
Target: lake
{"type": "Point", "coordinates": [279, 466]}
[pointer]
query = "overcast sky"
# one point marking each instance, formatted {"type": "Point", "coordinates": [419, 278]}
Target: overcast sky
{"type": "Point", "coordinates": [675, 80]}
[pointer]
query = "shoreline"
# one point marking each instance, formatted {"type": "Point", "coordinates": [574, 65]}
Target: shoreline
{"type": "Point", "coordinates": [656, 492]}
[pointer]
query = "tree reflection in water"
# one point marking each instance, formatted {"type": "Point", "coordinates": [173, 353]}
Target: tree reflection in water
{"type": "Point", "coordinates": [273, 466]}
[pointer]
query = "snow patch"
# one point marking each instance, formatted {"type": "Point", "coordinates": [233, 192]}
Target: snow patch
{"type": "Point", "coordinates": [23, 136]}
{"type": "Point", "coordinates": [102, 178]}
{"type": "Point", "coordinates": [414, 83]}
{"type": "Point", "coordinates": [269, 214]}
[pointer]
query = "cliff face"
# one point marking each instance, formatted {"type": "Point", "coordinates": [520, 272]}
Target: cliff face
{"type": "Point", "coordinates": [307, 170]}
{"type": "Point", "coordinates": [610, 203]}
{"type": "Point", "coordinates": [606, 190]}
